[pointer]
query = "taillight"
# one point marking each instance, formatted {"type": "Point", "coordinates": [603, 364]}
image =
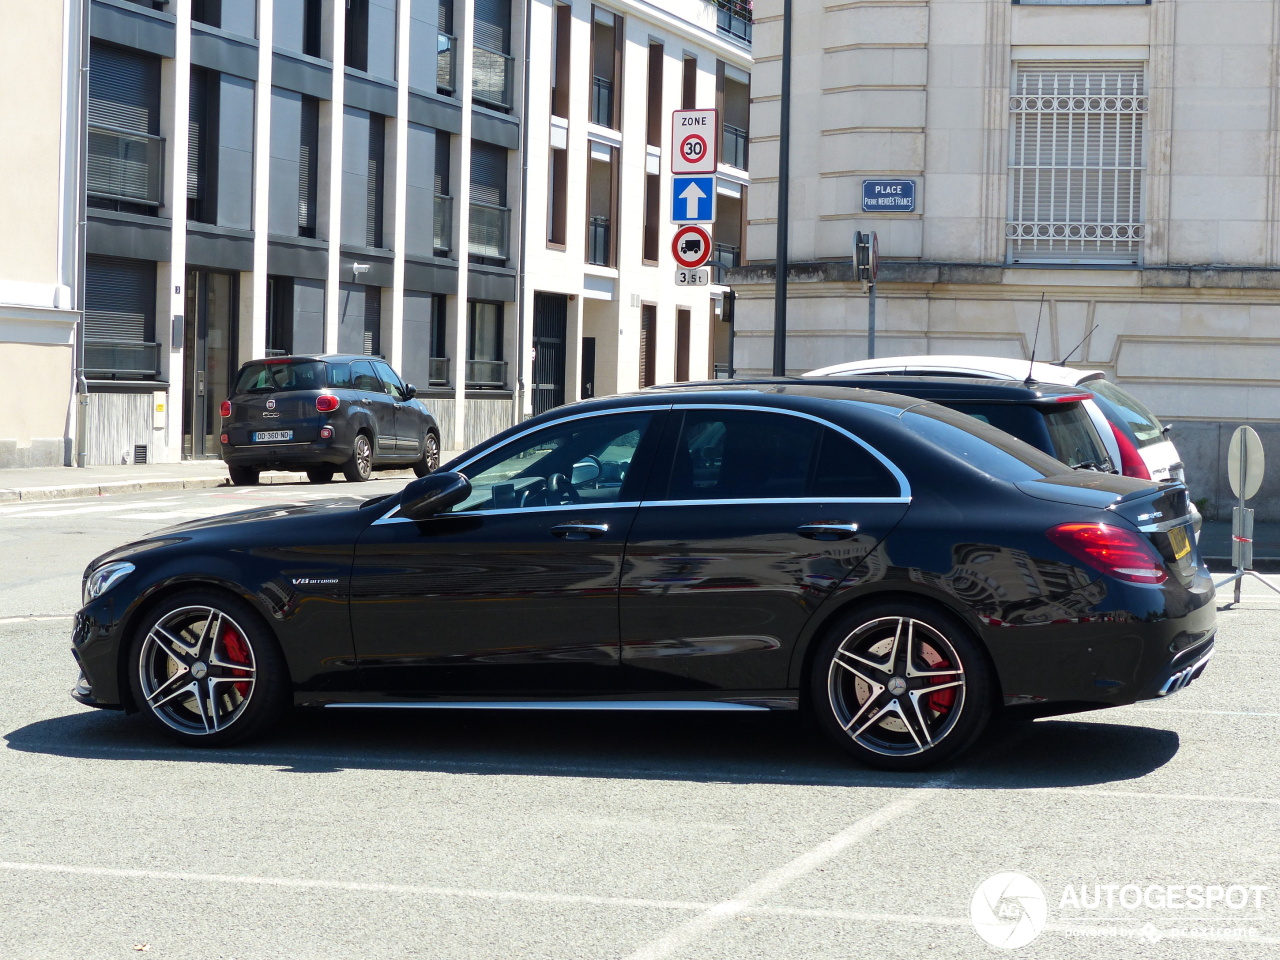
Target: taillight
{"type": "Point", "coordinates": [1131, 462]}
{"type": "Point", "coordinates": [1074, 398]}
{"type": "Point", "coordinates": [1117, 552]}
{"type": "Point", "coordinates": [224, 408]}
{"type": "Point", "coordinates": [326, 403]}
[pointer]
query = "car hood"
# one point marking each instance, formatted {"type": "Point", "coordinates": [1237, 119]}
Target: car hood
{"type": "Point", "coordinates": [289, 512]}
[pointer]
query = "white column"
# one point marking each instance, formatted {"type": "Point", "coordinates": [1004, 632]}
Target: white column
{"type": "Point", "coordinates": [334, 225]}
{"type": "Point", "coordinates": [261, 182]}
{"type": "Point", "coordinates": [464, 20]}
{"type": "Point", "coordinates": [400, 145]}
{"type": "Point", "coordinates": [179, 83]}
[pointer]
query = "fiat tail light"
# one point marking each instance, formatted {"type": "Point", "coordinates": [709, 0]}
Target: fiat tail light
{"type": "Point", "coordinates": [1115, 551]}
{"type": "Point", "coordinates": [326, 403]}
{"type": "Point", "coordinates": [224, 408]}
{"type": "Point", "coordinates": [1131, 462]}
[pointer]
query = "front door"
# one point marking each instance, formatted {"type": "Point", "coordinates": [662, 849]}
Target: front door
{"type": "Point", "coordinates": [752, 520]}
{"type": "Point", "coordinates": [550, 324]}
{"type": "Point", "coordinates": [209, 358]}
{"type": "Point", "coordinates": [515, 590]}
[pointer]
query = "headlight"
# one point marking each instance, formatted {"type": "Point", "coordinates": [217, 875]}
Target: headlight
{"type": "Point", "coordinates": [104, 578]}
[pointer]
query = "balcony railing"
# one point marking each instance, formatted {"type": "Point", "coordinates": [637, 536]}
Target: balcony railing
{"type": "Point", "coordinates": [727, 254]}
{"type": "Point", "coordinates": [602, 101]}
{"type": "Point", "coordinates": [489, 231]}
{"type": "Point", "coordinates": [445, 46]}
{"type": "Point", "coordinates": [123, 165]}
{"type": "Point", "coordinates": [491, 80]}
{"type": "Point", "coordinates": [733, 20]}
{"type": "Point", "coordinates": [735, 146]}
{"type": "Point", "coordinates": [486, 373]}
{"type": "Point", "coordinates": [438, 371]}
{"type": "Point", "coordinates": [442, 229]}
{"type": "Point", "coordinates": [131, 359]}
{"type": "Point", "coordinates": [720, 371]}
{"type": "Point", "coordinates": [598, 247]}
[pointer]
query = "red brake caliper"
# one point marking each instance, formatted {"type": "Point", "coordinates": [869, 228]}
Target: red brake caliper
{"type": "Point", "coordinates": [238, 652]}
{"type": "Point", "coordinates": [943, 700]}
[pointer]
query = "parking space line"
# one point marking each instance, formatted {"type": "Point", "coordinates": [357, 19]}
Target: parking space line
{"type": "Point", "coordinates": [1216, 713]}
{"type": "Point", "coordinates": [772, 882]}
{"type": "Point", "coordinates": [1203, 798]}
{"type": "Point", "coordinates": [37, 618]}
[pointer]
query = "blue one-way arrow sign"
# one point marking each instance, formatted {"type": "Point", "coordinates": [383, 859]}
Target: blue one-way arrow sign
{"type": "Point", "coordinates": [693, 199]}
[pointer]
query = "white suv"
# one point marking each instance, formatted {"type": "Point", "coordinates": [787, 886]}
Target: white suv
{"type": "Point", "coordinates": [1135, 439]}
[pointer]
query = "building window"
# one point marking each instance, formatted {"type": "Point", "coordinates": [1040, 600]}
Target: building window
{"type": "Point", "coordinates": [234, 16]}
{"type": "Point", "coordinates": [602, 205]}
{"type": "Point", "coordinates": [683, 322]}
{"type": "Point", "coordinates": [558, 198]}
{"type": "Point", "coordinates": [297, 26]}
{"type": "Point", "coordinates": [726, 234]}
{"type": "Point", "coordinates": [733, 20]}
{"type": "Point", "coordinates": [360, 320]}
{"type": "Point", "coordinates": [653, 118]}
{"type": "Point", "coordinates": [485, 367]}
{"type": "Point", "coordinates": [733, 95]}
{"type": "Point", "coordinates": [295, 316]}
{"type": "Point", "coordinates": [295, 164]}
{"type": "Point", "coordinates": [446, 49]}
{"type": "Point", "coordinates": [120, 319]}
{"type": "Point", "coordinates": [492, 74]}
{"type": "Point", "coordinates": [689, 83]}
{"type": "Point", "coordinates": [425, 355]}
{"type": "Point", "coordinates": [421, 216]}
{"type": "Point", "coordinates": [560, 59]}
{"type": "Point", "coordinates": [126, 154]}
{"type": "Point", "coordinates": [652, 216]}
{"type": "Point", "coordinates": [489, 223]}
{"type": "Point", "coordinates": [371, 37]}
{"type": "Point", "coordinates": [606, 68]}
{"type": "Point", "coordinates": [363, 177]}
{"type": "Point", "coordinates": [443, 219]}
{"type": "Point", "coordinates": [431, 46]}
{"type": "Point", "coordinates": [1075, 163]}
{"type": "Point", "coordinates": [220, 149]}
{"type": "Point", "coordinates": [648, 344]}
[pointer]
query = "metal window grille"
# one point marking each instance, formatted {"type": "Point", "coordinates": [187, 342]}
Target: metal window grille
{"type": "Point", "coordinates": [1075, 163]}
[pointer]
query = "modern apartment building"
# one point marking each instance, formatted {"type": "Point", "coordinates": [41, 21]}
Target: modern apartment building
{"type": "Point", "coordinates": [1122, 158]}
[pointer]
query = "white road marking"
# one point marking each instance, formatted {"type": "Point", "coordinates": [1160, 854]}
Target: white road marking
{"type": "Point", "coordinates": [771, 883]}
{"type": "Point", "coordinates": [37, 618]}
{"type": "Point", "coordinates": [1216, 713]}
{"type": "Point", "coordinates": [1200, 798]}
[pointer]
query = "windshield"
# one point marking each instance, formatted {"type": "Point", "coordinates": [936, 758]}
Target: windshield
{"type": "Point", "coordinates": [981, 445]}
{"type": "Point", "coordinates": [1146, 429]}
{"type": "Point", "coordinates": [270, 377]}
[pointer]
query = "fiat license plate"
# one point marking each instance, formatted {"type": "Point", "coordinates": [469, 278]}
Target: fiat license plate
{"type": "Point", "coordinates": [1180, 542]}
{"type": "Point", "coordinates": [268, 435]}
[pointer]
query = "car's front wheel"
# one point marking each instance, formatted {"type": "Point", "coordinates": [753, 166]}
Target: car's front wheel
{"type": "Point", "coordinates": [901, 686]}
{"type": "Point", "coordinates": [430, 456]}
{"type": "Point", "coordinates": [360, 465]}
{"type": "Point", "coordinates": [206, 670]}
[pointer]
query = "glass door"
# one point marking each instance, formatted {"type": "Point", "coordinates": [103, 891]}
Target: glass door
{"type": "Point", "coordinates": [209, 358]}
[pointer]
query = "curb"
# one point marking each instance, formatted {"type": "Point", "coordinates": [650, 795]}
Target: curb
{"type": "Point", "coordinates": [1260, 564]}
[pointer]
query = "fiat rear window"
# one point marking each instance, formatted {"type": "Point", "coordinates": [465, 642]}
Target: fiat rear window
{"type": "Point", "coordinates": [268, 377]}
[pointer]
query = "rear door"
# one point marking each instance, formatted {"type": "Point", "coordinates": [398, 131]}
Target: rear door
{"type": "Point", "coordinates": [373, 396]}
{"type": "Point", "coordinates": [752, 518]}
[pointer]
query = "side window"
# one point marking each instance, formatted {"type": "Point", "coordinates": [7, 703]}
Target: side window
{"type": "Point", "coordinates": [583, 461]}
{"type": "Point", "coordinates": [742, 455]}
{"type": "Point", "coordinates": [847, 469]}
{"type": "Point", "coordinates": [340, 375]}
{"type": "Point", "coordinates": [363, 377]}
{"type": "Point", "coordinates": [393, 384]}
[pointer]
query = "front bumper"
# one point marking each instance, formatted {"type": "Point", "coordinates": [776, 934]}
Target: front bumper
{"type": "Point", "coordinates": [95, 646]}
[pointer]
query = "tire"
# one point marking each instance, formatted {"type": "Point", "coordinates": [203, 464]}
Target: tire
{"type": "Point", "coordinates": [320, 474]}
{"type": "Point", "coordinates": [360, 466]}
{"type": "Point", "coordinates": [212, 675]}
{"type": "Point", "coordinates": [922, 673]}
{"type": "Point", "coordinates": [430, 456]}
{"type": "Point", "coordinates": [243, 476]}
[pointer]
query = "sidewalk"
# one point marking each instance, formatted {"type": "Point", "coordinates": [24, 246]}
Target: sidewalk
{"type": "Point", "coordinates": [60, 483]}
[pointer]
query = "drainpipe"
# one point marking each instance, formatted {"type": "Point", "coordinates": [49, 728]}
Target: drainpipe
{"type": "Point", "coordinates": [78, 297]}
{"type": "Point", "coordinates": [784, 196]}
{"type": "Point", "coordinates": [517, 405]}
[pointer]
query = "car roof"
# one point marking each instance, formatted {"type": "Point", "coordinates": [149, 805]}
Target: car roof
{"type": "Point", "coordinates": [304, 357]}
{"type": "Point", "coordinates": [1002, 368]}
{"type": "Point", "coordinates": [952, 388]}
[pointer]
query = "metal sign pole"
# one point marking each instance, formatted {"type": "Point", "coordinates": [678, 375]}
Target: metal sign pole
{"type": "Point", "coordinates": [871, 322]}
{"type": "Point", "coordinates": [1245, 479]}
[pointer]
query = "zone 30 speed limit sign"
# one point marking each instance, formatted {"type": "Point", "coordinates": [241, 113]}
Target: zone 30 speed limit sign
{"type": "Point", "coordinates": [693, 141]}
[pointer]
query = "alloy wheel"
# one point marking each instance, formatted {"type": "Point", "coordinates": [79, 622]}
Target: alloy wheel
{"type": "Point", "coordinates": [197, 670]}
{"type": "Point", "coordinates": [431, 452]}
{"type": "Point", "coordinates": [896, 686]}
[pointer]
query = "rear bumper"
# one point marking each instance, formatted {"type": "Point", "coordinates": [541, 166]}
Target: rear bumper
{"type": "Point", "coordinates": [286, 454]}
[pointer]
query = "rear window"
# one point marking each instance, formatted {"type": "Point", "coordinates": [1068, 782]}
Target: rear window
{"type": "Point", "coordinates": [281, 377]}
{"type": "Point", "coordinates": [981, 445]}
{"type": "Point", "coordinates": [1075, 441]}
{"type": "Point", "coordinates": [1146, 429]}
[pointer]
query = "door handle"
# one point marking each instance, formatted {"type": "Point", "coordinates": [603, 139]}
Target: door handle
{"type": "Point", "coordinates": [827, 530]}
{"type": "Point", "coordinates": [579, 531]}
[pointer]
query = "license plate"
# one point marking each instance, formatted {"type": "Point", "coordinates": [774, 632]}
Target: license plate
{"type": "Point", "coordinates": [1180, 541]}
{"type": "Point", "coordinates": [268, 435]}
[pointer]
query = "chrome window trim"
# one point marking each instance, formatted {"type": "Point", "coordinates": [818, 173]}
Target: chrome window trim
{"type": "Point", "coordinates": [773, 500]}
{"type": "Point", "coordinates": [682, 705]}
{"type": "Point", "coordinates": [904, 487]}
{"type": "Point", "coordinates": [567, 507]}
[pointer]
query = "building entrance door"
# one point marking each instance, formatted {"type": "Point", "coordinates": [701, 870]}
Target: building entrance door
{"type": "Point", "coordinates": [550, 326]}
{"type": "Point", "coordinates": [208, 357]}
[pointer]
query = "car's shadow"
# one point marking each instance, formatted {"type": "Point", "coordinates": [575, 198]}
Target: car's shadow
{"type": "Point", "coordinates": [774, 748]}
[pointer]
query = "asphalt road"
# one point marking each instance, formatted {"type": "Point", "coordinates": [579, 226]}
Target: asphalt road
{"type": "Point", "coordinates": [599, 836]}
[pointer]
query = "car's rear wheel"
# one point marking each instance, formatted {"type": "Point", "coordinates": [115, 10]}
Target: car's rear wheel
{"type": "Point", "coordinates": [206, 670]}
{"type": "Point", "coordinates": [430, 456]}
{"type": "Point", "coordinates": [901, 686]}
{"type": "Point", "coordinates": [320, 474]}
{"type": "Point", "coordinates": [243, 476]}
{"type": "Point", "coordinates": [360, 465]}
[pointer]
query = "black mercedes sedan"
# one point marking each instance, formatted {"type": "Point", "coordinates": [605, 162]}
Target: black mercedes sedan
{"type": "Point", "coordinates": [901, 570]}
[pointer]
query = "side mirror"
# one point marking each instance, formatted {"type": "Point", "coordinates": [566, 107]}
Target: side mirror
{"type": "Point", "coordinates": [586, 470]}
{"type": "Point", "coordinates": [433, 493]}
{"type": "Point", "coordinates": [410, 390]}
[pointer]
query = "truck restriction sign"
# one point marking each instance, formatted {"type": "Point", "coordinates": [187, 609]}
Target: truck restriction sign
{"type": "Point", "coordinates": [693, 138]}
{"type": "Point", "coordinates": [691, 246]}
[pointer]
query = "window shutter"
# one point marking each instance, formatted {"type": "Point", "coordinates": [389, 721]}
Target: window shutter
{"type": "Point", "coordinates": [124, 90]}
{"type": "Point", "coordinates": [197, 129]}
{"type": "Point", "coordinates": [1076, 161]}
{"type": "Point", "coordinates": [493, 24]}
{"type": "Point", "coordinates": [120, 299]}
{"type": "Point", "coordinates": [373, 210]}
{"type": "Point", "coordinates": [308, 166]}
{"type": "Point", "coordinates": [488, 174]}
{"type": "Point", "coordinates": [442, 163]}
{"type": "Point", "coordinates": [372, 321]}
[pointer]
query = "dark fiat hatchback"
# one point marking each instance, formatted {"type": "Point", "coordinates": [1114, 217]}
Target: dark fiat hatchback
{"type": "Point", "coordinates": [325, 413]}
{"type": "Point", "coordinates": [901, 570]}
